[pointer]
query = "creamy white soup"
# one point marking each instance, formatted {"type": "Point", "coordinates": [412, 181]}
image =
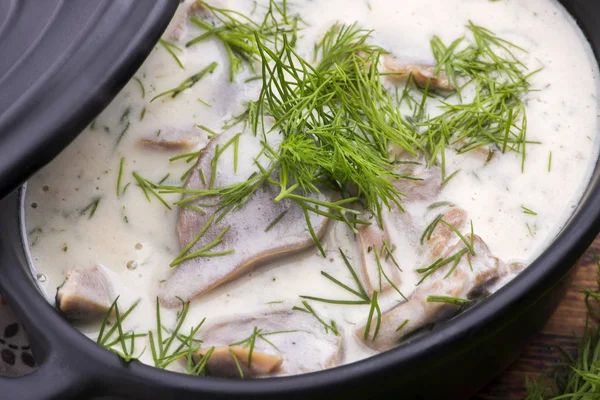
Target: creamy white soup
{"type": "Point", "coordinates": [289, 186]}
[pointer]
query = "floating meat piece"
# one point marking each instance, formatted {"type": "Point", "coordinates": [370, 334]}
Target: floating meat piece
{"type": "Point", "coordinates": [224, 361]}
{"type": "Point", "coordinates": [259, 231]}
{"type": "Point", "coordinates": [294, 337]}
{"type": "Point", "coordinates": [421, 74]}
{"type": "Point", "coordinates": [85, 295]}
{"type": "Point", "coordinates": [443, 235]}
{"type": "Point", "coordinates": [463, 282]}
{"type": "Point", "coordinates": [195, 9]}
{"type": "Point", "coordinates": [185, 144]}
{"type": "Point", "coordinates": [375, 244]}
{"type": "Point", "coordinates": [422, 183]}
{"type": "Point", "coordinates": [176, 138]}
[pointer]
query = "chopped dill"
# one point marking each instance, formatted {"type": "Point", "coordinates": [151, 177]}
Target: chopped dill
{"type": "Point", "coordinates": [141, 85]}
{"type": "Point", "coordinates": [122, 134]}
{"type": "Point", "coordinates": [530, 229]}
{"type": "Point", "coordinates": [238, 33]}
{"type": "Point", "coordinates": [200, 366]}
{"type": "Point", "coordinates": [402, 325]}
{"type": "Point", "coordinates": [250, 341]}
{"type": "Point", "coordinates": [359, 292]}
{"type": "Point", "coordinates": [276, 221]}
{"type": "Point", "coordinates": [120, 176]}
{"type": "Point", "coordinates": [125, 115]}
{"type": "Point", "coordinates": [171, 48]}
{"type": "Point", "coordinates": [148, 186]}
{"type": "Point", "coordinates": [440, 204]}
{"type": "Point", "coordinates": [189, 82]}
{"type": "Point", "coordinates": [550, 162]}
{"type": "Point", "coordinates": [329, 327]}
{"type": "Point", "coordinates": [162, 352]}
{"type": "Point", "coordinates": [203, 102]}
{"type": "Point", "coordinates": [143, 114]}
{"type": "Point", "coordinates": [448, 300]}
{"type": "Point", "coordinates": [440, 263]}
{"type": "Point", "coordinates": [210, 133]}
{"type": "Point", "coordinates": [382, 273]}
{"type": "Point", "coordinates": [92, 207]}
{"type": "Point", "coordinates": [110, 338]}
{"type": "Point", "coordinates": [496, 114]}
{"type": "Point", "coordinates": [468, 244]}
{"type": "Point", "coordinates": [528, 211]}
{"type": "Point", "coordinates": [426, 236]}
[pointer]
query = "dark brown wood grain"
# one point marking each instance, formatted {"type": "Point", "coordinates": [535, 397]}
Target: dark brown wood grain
{"type": "Point", "coordinates": [567, 322]}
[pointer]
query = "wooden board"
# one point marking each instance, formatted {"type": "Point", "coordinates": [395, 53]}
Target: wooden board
{"type": "Point", "coordinates": [567, 322]}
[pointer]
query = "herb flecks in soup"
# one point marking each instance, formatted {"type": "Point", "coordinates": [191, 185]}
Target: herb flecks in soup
{"type": "Point", "coordinates": [285, 187]}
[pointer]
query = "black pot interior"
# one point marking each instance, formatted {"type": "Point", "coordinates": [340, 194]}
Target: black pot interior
{"type": "Point", "coordinates": [452, 361]}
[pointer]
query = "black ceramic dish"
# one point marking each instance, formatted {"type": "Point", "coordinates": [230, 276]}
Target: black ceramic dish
{"type": "Point", "coordinates": [452, 362]}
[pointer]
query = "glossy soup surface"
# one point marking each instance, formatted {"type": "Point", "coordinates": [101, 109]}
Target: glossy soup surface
{"type": "Point", "coordinates": [516, 212]}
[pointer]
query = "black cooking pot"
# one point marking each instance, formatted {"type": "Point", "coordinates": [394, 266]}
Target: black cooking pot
{"type": "Point", "coordinates": [451, 362]}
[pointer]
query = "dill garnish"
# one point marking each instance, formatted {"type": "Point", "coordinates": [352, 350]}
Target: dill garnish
{"type": "Point", "coordinates": [199, 368]}
{"type": "Point", "coordinates": [442, 262]}
{"type": "Point", "coordinates": [171, 48]}
{"type": "Point", "coordinates": [120, 176]}
{"type": "Point", "coordinates": [148, 186]}
{"type": "Point", "coordinates": [189, 82]}
{"type": "Point", "coordinates": [250, 341]}
{"type": "Point", "coordinates": [276, 221]}
{"type": "Point", "coordinates": [528, 211]}
{"type": "Point", "coordinates": [402, 325]}
{"type": "Point", "coordinates": [141, 85]}
{"type": "Point", "coordinates": [576, 377]}
{"type": "Point", "coordinates": [382, 273]}
{"type": "Point", "coordinates": [237, 32]}
{"type": "Point", "coordinates": [328, 326]}
{"type": "Point", "coordinates": [109, 340]}
{"type": "Point", "coordinates": [122, 134]}
{"type": "Point", "coordinates": [162, 354]}
{"type": "Point", "coordinates": [496, 113]}
{"type": "Point", "coordinates": [359, 292]}
{"type": "Point", "coordinates": [448, 300]}
{"type": "Point", "coordinates": [91, 207]}
{"type": "Point", "coordinates": [550, 162]}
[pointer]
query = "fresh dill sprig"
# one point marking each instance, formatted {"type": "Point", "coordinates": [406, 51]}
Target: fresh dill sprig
{"type": "Point", "coordinates": [189, 82]}
{"type": "Point", "coordinates": [237, 32]}
{"type": "Point", "coordinates": [442, 262]}
{"type": "Point", "coordinates": [200, 367]}
{"type": "Point", "coordinates": [116, 335]}
{"type": "Point", "coordinates": [120, 176]}
{"type": "Point", "coordinates": [336, 118]}
{"type": "Point", "coordinates": [171, 48]}
{"type": "Point", "coordinates": [448, 300]}
{"type": "Point", "coordinates": [250, 341]}
{"type": "Point", "coordinates": [276, 221]}
{"type": "Point", "coordinates": [123, 132]}
{"type": "Point", "coordinates": [163, 353]}
{"type": "Point", "coordinates": [141, 85]}
{"type": "Point", "coordinates": [148, 186]}
{"type": "Point", "coordinates": [528, 211]}
{"type": "Point", "coordinates": [496, 114]}
{"type": "Point", "coordinates": [92, 207]}
{"type": "Point", "coordinates": [576, 377]}
{"type": "Point", "coordinates": [382, 273]}
{"type": "Point", "coordinates": [360, 293]}
{"type": "Point", "coordinates": [331, 326]}
{"type": "Point", "coordinates": [402, 325]}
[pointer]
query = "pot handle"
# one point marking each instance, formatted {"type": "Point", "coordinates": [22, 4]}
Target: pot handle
{"type": "Point", "coordinates": [61, 374]}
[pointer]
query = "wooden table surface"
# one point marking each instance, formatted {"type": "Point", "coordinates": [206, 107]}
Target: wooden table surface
{"type": "Point", "coordinates": [567, 322]}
